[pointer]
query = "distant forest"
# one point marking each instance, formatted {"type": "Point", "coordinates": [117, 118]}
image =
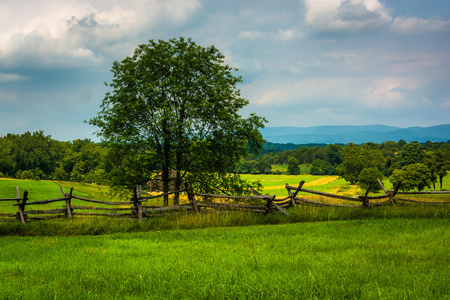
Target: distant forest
{"type": "Point", "coordinates": [37, 156]}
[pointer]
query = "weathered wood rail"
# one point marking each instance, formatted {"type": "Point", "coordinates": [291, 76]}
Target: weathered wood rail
{"type": "Point", "coordinates": [135, 208]}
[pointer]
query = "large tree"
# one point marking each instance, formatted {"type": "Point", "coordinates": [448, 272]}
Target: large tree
{"type": "Point", "coordinates": [175, 105]}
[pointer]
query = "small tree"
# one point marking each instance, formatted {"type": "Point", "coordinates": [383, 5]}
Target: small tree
{"type": "Point", "coordinates": [415, 176]}
{"type": "Point", "coordinates": [27, 174]}
{"type": "Point", "coordinates": [442, 165]}
{"type": "Point", "coordinates": [370, 175]}
{"type": "Point", "coordinates": [60, 174]}
{"type": "Point", "coordinates": [293, 168]}
{"type": "Point", "coordinates": [320, 167]}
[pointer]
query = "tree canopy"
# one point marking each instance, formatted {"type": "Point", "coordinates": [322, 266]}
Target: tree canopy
{"type": "Point", "coordinates": [174, 105]}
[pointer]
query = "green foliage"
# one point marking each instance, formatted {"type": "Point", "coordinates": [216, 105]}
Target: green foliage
{"type": "Point", "coordinates": [369, 175]}
{"type": "Point", "coordinates": [320, 167]}
{"type": "Point", "coordinates": [411, 153]}
{"type": "Point", "coordinates": [176, 104]}
{"type": "Point", "coordinates": [358, 158]}
{"type": "Point", "coordinates": [293, 168]}
{"type": "Point", "coordinates": [37, 156]}
{"type": "Point", "coordinates": [439, 164]}
{"type": "Point", "coordinates": [228, 184]}
{"type": "Point", "coordinates": [415, 176]}
{"type": "Point", "coordinates": [28, 174]}
{"type": "Point", "coordinates": [60, 174]}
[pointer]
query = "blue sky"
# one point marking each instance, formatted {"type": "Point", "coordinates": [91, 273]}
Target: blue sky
{"type": "Point", "coordinates": [303, 62]}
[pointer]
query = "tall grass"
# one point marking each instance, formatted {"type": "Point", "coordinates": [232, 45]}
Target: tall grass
{"type": "Point", "coordinates": [300, 214]}
{"type": "Point", "coordinates": [358, 259]}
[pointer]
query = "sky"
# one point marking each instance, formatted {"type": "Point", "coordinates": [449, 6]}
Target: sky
{"type": "Point", "coordinates": [303, 62]}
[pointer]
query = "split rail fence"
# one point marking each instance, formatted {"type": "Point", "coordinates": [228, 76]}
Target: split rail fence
{"type": "Point", "coordinates": [135, 208]}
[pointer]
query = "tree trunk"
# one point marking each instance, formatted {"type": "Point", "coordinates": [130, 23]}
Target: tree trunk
{"type": "Point", "coordinates": [166, 163]}
{"type": "Point", "coordinates": [179, 152]}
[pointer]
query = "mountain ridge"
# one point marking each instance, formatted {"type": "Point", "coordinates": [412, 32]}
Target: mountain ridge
{"type": "Point", "coordinates": [357, 134]}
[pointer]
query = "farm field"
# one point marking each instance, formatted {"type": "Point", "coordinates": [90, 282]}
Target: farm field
{"type": "Point", "coordinates": [45, 190]}
{"type": "Point", "coordinates": [273, 185]}
{"type": "Point", "coordinates": [359, 259]}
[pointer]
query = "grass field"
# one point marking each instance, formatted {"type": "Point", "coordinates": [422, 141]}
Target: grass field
{"type": "Point", "coordinates": [360, 259]}
{"type": "Point", "coordinates": [273, 185]}
{"type": "Point", "coordinates": [45, 190]}
{"type": "Point", "coordinates": [392, 252]}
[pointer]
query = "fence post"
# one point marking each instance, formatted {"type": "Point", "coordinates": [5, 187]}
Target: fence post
{"type": "Point", "coordinates": [292, 196]}
{"type": "Point", "coordinates": [191, 196]}
{"type": "Point", "coordinates": [392, 196]}
{"type": "Point", "coordinates": [21, 206]}
{"type": "Point", "coordinates": [68, 202]}
{"type": "Point", "coordinates": [269, 205]}
{"type": "Point", "coordinates": [139, 204]}
{"type": "Point", "coordinates": [364, 198]}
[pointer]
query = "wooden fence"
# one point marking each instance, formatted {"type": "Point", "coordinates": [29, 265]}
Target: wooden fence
{"type": "Point", "coordinates": [135, 208]}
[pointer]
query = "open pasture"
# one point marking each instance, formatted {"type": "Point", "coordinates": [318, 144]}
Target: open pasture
{"type": "Point", "coordinates": [44, 190]}
{"type": "Point", "coordinates": [360, 259]}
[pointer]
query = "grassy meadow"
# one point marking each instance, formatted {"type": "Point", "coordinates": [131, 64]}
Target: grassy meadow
{"type": "Point", "coordinates": [391, 252]}
{"type": "Point", "coordinates": [357, 259]}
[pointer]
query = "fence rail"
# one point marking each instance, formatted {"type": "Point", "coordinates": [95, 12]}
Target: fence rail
{"type": "Point", "coordinates": [134, 208]}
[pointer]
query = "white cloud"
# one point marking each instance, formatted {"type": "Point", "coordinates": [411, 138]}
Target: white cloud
{"type": "Point", "coordinates": [72, 32]}
{"type": "Point", "coordinates": [383, 93]}
{"type": "Point", "coordinates": [242, 63]}
{"type": "Point", "coordinates": [412, 25]}
{"type": "Point", "coordinates": [280, 35]}
{"type": "Point", "coordinates": [5, 77]}
{"type": "Point", "coordinates": [344, 92]}
{"type": "Point", "coordinates": [346, 15]}
{"type": "Point", "coordinates": [8, 96]}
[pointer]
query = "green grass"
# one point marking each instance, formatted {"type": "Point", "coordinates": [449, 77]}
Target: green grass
{"type": "Point", "coordinates": [358, 259]}
{"type": "Point", "coordinates": [283, 168]}
{"type": "Point", "coordinates": [274, 184]}
{"type": "Point", "coordinates": [46, 190]}
{"type": "Point", "coordinates": [391, 252]}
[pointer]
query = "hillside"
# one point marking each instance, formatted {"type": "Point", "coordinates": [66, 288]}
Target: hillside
{"type": "Point", "coordinates": [355, 134]}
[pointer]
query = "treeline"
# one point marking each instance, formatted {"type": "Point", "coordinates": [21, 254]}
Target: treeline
{"type": "Point", "coordinates": [416, 165]}
{"type": "Point", "coordinates": [37, 156]}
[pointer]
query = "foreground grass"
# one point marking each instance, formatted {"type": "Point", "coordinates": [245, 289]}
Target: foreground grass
{"type": "Point", "coordinates": [357, 259]}
{"type": "Point", "coordinates": [299, 214]}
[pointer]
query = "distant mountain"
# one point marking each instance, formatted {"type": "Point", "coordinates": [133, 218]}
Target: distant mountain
{"type": "Point", "coordinates": [355, 134]}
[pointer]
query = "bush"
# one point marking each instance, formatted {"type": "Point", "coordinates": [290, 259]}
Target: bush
{"type": "Point", "coordinates": [60, 174]}
{"type": "Point", "coordinates": [28, 174]}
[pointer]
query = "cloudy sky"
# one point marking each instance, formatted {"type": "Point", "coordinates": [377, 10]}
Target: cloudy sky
{"type": "Point", "coordinates": [303, 62]}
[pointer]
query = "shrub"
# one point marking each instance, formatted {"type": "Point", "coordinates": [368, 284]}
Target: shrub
{"type": "Point", "coordinates": [28, 174]}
